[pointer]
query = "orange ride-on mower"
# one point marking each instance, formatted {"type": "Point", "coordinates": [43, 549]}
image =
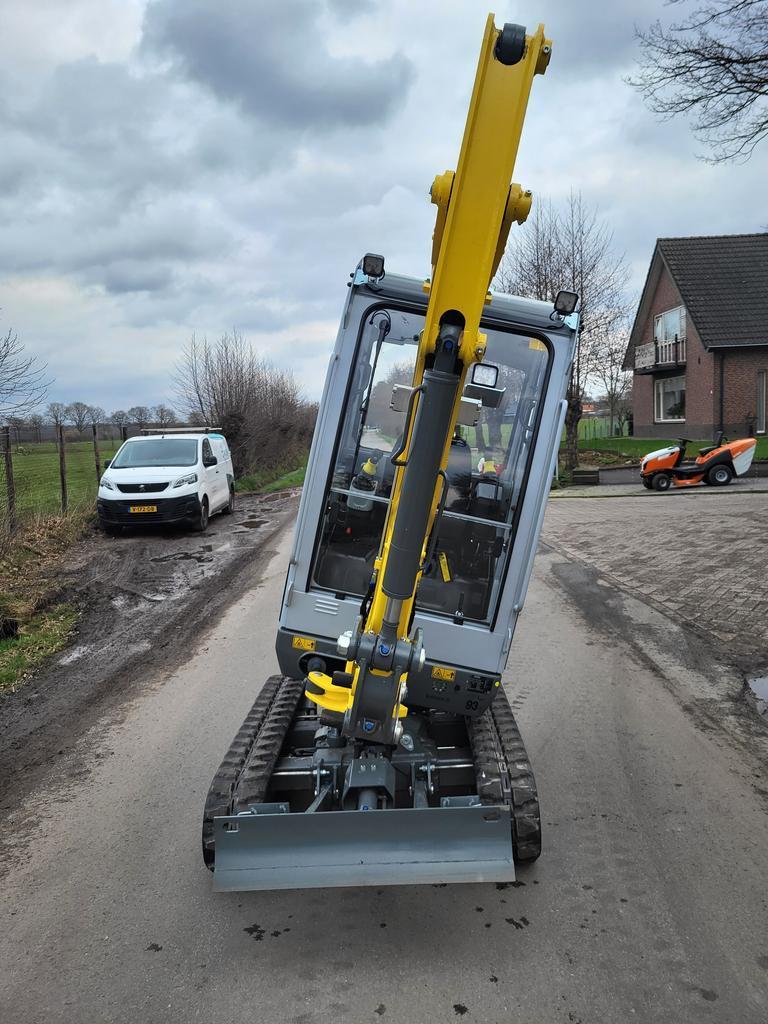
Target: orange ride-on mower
{"type": "Point", "coordinates": [715, 465]}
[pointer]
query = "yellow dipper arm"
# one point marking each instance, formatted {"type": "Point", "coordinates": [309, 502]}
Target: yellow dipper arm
{"type": "Point", "coordinates": [476, 207]}
{"type": "Point", "coordinates": [477, 204]}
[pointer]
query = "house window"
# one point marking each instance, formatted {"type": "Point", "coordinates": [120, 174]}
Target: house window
{"type": "Point", "coordinates": [668, 328]}
{"type": "Point", "coordinates": [669, 405]}
{"type": "Point", "coordinates": [762, 398]}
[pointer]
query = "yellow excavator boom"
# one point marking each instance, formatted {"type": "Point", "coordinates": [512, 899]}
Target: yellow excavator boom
{"type": "Point", "coordinates": [476, 206]}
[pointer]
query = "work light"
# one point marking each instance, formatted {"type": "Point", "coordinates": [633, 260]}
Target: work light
{"type": "Point", "coordinates": [485, 374]}
{"type": "Point", "coordinates": [373, 266]}
{"type": "Point", "coordinates": [565, 302]}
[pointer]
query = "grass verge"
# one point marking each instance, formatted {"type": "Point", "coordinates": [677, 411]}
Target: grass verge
{"type": "Point", "coordinates": [268, 480]}
{"type": "Point", "coordinates": [43, 635]}
{"type": "Point", "coordinates": [35, 621]}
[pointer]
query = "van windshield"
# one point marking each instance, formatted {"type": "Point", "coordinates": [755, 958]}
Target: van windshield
{"type": "Point", "coordinates": [161, 451]}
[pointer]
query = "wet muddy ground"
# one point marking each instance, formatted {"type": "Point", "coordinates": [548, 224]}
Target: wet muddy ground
{"type": "Point", "coordinates": [146, 600]}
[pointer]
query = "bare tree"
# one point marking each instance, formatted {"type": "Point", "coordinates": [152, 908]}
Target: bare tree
{"type": "Point", "coordinates": [119, 418]}
{"type": "Point", "coordinates": [712, 66]}
{"type": "Point", "coordinates": [56, 413]}
{"type": "Point", "coordinates": [23, 382]}
{"type": "Point", "coordinates": [96, 415]}
{"type": "Point", "coordinates": [140, 415]}
{"type": "Point", "coordinates": [17, 424]}
{"type": "Point", "coordinates": [610, 349]}
{"type": "Point", "coordinates": [570, 249]}
{"type": "Point", "coordinates": [36, 423]}
{"type": "Point", "coordinates": [77, 414]}
{"type": "Point", "coordinates": [258, 406]}
{"type": "Point", "coordinates": [163, 415]}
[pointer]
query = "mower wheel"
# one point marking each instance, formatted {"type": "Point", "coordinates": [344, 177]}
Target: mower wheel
{"type": "Point", "coordinates": [719, 476]}
{"type": "Point", "coordinates": [646, 482]}
{"type": "Point", "coordinates": [661, 482]}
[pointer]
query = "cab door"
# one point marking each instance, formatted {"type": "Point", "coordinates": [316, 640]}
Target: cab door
{"type": "Point", "coordinates": [215, 477]}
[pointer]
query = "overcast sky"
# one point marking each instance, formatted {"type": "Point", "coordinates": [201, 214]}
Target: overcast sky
{"type": "Point", "coordinates": [195, 165]}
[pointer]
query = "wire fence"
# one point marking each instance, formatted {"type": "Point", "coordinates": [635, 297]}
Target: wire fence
{"type": "Point", "coordinates": [594, 428]}
{"type": "Point", "coordinates": [49, 477]}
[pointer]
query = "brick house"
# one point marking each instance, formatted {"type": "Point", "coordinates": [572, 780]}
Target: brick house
{"type": "Point", "coordinates": [698, 347]}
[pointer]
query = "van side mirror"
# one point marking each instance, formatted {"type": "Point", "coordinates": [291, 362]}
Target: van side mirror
{"type": "Point", "coordinates": [210, 461]}
{"type": "Point", "coordinates": [107, 463]}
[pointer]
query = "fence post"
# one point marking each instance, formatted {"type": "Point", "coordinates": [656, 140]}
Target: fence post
{"type": "Point", "coordinates": [9, 484]}
{"type": "Point", "coordinates": [63, 471]}
{"type": "Point", "coordinates": [123, 433]}
{"type": "Point", "coordinates": [96, 453]}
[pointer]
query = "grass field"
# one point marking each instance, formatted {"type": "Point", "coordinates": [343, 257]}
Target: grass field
{"type": "Point", "coordinates": [38, 489]}
{"type": "Point", "coordinates": [36, 475]}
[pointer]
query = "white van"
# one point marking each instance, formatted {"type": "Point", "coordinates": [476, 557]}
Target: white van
{"type": "Point", "coordinates": [167, 478]}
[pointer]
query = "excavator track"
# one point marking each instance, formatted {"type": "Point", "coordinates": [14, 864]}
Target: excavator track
{"type": "Point", "coordinates": [504, 774]}
{"type": "Point", "coordinates": [221, 794]}
{"type": "Point", "coordinates": [253, 780]}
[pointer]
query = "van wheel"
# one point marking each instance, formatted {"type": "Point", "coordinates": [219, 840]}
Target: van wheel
{"type": "Point", "coordinates": [229, 508]}
{"type": "Point", "coordinates": [719, 476]}
{"type": "Point", "coordinates": [661, 482]}
{"type": "Point", "coordinates": [201, 522]}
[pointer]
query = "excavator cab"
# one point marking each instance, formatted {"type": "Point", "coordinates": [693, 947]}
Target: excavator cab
{"type": "Point", "coordinates": [386, 751]}
{"type": "Point", "coordinates": [497, 475]}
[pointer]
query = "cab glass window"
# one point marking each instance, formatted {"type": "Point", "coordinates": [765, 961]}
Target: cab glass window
{"type": "Point", "coordinates": [486, 471]}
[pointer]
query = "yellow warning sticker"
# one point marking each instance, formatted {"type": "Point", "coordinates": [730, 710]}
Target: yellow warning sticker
{"type": "Point", "coordinates": [445, 572]}
{"type": "Point", "coordinates": [304, 643]}
{"type": "Point", "coordinates": [441, 672]}
{"type": "Point", "coordinates": [536, 345]}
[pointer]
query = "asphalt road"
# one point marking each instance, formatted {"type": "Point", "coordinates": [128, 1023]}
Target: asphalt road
{"type": "Point", "coordinates": [648, 904]}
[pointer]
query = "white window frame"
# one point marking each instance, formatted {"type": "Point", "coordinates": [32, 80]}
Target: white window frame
{"type": "Point", "coordinates": [666, 344]}
{"type": "Point", "coordinates": [657, 403]}
{"type": "Point", "coordinates": [762, 401]}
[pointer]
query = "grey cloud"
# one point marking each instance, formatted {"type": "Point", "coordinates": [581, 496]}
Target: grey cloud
{"type": "Point", "coordinates": [231, 170]}
{"type": "Point", "coordinates": [134, 276]}
{"type": "Point", "coordinates": [351, 8]}
{"type": "Point", "coordinates": [270, 58]}
{"type": "Point", "coordinates": [589, 41]}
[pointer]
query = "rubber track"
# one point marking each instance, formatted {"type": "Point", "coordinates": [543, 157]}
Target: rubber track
{"type": "Point", "coordinates": [252, 783]}
{"type": "Point", "coordinates": [220, 794]}
{"type": "Point", "coordinates": [504, 774]}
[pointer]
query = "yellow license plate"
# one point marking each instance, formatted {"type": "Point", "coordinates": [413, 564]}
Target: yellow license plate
{"type": "Point", "coordinates": [303, 643]}
{"type": "Point", "coordinates": [143, 508]}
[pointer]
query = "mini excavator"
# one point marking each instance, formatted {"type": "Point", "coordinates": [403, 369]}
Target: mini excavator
{"type": "Point", "coordinates": [386, 751]}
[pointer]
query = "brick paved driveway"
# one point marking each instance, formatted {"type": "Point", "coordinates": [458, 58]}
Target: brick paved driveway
{"type": "Point", "coordinates": [701, 556]}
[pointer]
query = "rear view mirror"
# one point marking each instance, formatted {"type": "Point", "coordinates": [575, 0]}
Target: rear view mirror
{"type": "Point", "coordinates": [107, 463]}
{"type": "Point", "coordinates": [210, 461]}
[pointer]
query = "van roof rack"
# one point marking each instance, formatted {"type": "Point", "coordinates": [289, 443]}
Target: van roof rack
{"type": "Point", "coordinates": [181, 430]}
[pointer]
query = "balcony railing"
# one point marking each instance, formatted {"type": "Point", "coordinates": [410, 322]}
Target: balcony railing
{"type": "Point", "coordinates": [658, 354]}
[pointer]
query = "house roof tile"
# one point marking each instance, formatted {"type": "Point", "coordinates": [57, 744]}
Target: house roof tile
{"type": "Point", "coordinates": [723, 282]}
